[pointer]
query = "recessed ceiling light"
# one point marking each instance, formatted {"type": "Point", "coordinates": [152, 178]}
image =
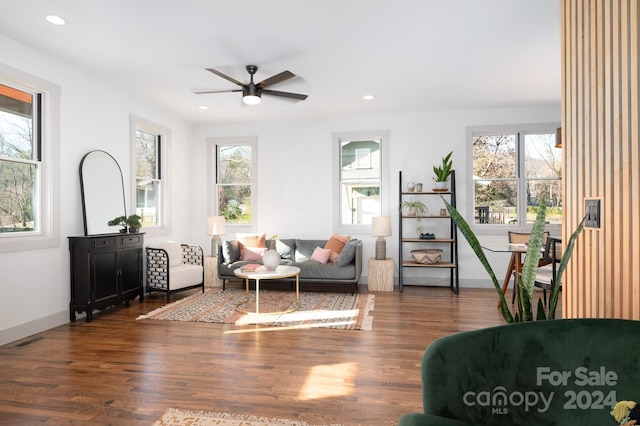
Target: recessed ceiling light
{"type": "Point", "coordinates": [368, 97]}
{"type": "Point", "coordinates": [56, 20]}
{"type": "Point", "coordinates": [203, 107]}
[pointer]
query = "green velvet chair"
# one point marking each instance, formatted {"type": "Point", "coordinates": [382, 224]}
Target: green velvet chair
{"type": "Point", "coordinates": [555, 372]}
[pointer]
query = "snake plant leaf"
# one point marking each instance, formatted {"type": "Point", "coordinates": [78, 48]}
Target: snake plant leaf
{"type": "Point", "coordinates": [541, 314]}
{"type": "Point", "coordinates": [531, 261]}
{"type": "Point", "coordinates": [557, 282]}
{"type": "Point", "coordinates": [471, 238]}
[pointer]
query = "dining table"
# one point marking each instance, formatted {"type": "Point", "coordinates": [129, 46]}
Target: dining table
{"type": "Point", "coordinates": [515, 263]}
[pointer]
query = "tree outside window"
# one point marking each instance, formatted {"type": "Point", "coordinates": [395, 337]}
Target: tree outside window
{"type": "Point", "coordinates": [512, 172]}
{"type": "Point", "coordinates": [148, 177]}
{"type": "Point", "coordinates": [19, 162]}
{"type": "Point", "coordinates": [233, 183]}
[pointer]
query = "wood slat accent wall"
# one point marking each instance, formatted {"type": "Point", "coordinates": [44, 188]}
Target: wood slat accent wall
{"type": "Point", "coordinates": [600, 132]}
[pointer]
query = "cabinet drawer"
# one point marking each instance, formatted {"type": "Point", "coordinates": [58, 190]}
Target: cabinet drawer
{"type": "Point", "coordinates": [131, 240]}
{"type": "Point", "coordinates": [104, 243]}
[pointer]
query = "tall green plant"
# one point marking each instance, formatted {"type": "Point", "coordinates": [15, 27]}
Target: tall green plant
{"type": "Point", "coordinates": [526, 280]}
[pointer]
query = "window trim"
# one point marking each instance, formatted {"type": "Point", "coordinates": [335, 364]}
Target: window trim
{"type": "Point", "coordinates": [49, 171]}
{"type": "Point", "coordinates": [212, 172]}
{"type": "Point", "coordinates": [337, 137]}
{"type": "Point", "coordinates": [471, 131]}
{"type": "Point", "coordinates": [138, 123]}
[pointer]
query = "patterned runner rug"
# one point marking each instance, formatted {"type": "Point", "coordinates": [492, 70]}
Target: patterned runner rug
{"type": "Point", "coordinates": [327, 310]}
{"type": "Point", "coordinates": [175, 417]}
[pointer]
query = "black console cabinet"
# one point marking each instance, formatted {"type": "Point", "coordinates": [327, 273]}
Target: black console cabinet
{"type": "Point", "coordinates": [106, 270]}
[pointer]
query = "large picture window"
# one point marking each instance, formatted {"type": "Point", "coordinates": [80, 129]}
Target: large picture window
{"type": "Point", "coordinates": [28, 161]}
{"type": "Point", "coordinates": [512, 172]}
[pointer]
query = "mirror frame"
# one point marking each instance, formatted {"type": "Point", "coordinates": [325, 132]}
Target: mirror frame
{"type": "Point", "coordinates": [102, 190]}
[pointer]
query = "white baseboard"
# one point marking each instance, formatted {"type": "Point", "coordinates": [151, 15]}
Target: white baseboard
{"type": "Point", "coordinates": [32, 327]}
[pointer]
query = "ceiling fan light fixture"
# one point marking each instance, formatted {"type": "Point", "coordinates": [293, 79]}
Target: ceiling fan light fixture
{"type": "Point", "coordinates": [250, 95]}
{"type": "Point", "coordinates": [251, 99]}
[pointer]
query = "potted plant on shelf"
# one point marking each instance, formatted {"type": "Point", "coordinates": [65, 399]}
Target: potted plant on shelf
{"type": "Point", "coordinates": [414, 208]}
{"type": "Point", "coordinates": [442, 172]}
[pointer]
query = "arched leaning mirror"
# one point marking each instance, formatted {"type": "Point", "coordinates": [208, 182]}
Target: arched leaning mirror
{"type": "Point", "coordinates": [102, 190]}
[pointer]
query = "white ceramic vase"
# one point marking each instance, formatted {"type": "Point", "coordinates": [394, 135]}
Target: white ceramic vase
{"type": "Point", "coordinates": [271, 259]}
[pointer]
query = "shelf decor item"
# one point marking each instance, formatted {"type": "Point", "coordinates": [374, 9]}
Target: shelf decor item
{"type": "Point", "coordinates": [442, 172]}
{"type": "Point", "coordinates": [134, 222]}
{"type": "Point", "coordinates": [411, 187]}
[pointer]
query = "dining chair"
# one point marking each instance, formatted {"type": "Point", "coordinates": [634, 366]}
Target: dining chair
{"type": "Point", "coordinates": [523, 238]}
{"type": "Point", "coordinates": [546, 275]}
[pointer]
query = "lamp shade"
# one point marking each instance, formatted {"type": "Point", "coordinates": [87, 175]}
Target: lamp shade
{"type": "Point", "coordinates": [381, 226]}
{"type": "Point", "coordinates": [216, 225]}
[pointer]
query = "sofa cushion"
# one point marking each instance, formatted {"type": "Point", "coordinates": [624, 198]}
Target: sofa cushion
{"type": "Point", "coordinates": [185, 275]}
{"type": "Point", "coordinates": [321, 255]}
{"type": "Point", "coordinates": [231, 251]}
{"type": "Point", "coordinates": [253, 253]}
{"type": "Point", "coordinates": [286, 248]}
{"type": "Point", "coordinates": [251, 240]}
{"type": "Point", "coordinates": [336, 243]}
{"type": "Point", "coordinates": [174, 251]}
{"type": "Point", "coordinates": [305, 248]}
{"type": "Point", "coordinates": [348, 253]}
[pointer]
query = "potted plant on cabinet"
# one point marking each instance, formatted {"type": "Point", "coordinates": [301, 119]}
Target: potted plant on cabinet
{"type": "Point", "coordinates": [134, 222]}
{"type": "Point", "coordinates": [119, 221]}
{"type": "Point", "coordinates": [442, 172]}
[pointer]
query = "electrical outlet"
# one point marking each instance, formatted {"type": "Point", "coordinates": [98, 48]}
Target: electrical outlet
{"type": "Point", "coordinates": [592, 210]}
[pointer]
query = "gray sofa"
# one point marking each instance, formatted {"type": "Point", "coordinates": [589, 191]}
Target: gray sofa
{"type": "Point", "coordinates": [296, 252]}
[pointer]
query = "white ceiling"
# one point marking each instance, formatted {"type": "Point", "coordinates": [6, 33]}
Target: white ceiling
{"type": "Point", "coordinates": [413, 55]}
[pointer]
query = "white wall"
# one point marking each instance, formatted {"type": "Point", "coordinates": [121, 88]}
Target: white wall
{"type": "Point", "coordinates": [35, 283]}
{"type": "Point", "coordinates": [295, 194]}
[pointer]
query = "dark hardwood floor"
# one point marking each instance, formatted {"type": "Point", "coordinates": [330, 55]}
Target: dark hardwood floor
{"type": "Point", "coordinates": [116, 370]}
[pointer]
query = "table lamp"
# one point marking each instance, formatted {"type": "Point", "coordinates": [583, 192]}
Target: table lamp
{"type": "Point", "coordinates": [216, 226]}
{"type": "Point", "coordinates": [381, 227]}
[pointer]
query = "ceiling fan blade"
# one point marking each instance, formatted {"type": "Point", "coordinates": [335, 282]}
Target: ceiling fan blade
{"type": "Point", "coordinates": [278, 78]}
{"type": "Point", "coordinates": [290, 95]}
{"type": "Point", "coordinates": [204, 92]}
{"type": "Point", "coordinates": [226, 77]}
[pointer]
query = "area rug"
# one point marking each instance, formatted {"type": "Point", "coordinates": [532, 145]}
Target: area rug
{"type": "Point", "coordinates": [175, 417]}
{"type": "Point", "coordinates": [317, 310]}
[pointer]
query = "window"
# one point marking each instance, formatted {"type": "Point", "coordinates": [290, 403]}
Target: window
{"type": "Point", "coordinates": [360, 177]}
{"type": "Point", "coordinates": [235, 164]}
{"type": "Point", "coordinates": [150, 143]}
{"type": "Point", "coordinates": [28, 157]}
{"type": "Point", "coordinates": [513, 170]}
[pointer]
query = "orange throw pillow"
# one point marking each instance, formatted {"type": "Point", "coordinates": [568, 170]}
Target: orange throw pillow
{"type": "Point", "coordinates": [250, 240]}
{"type": "Point", "coordinates": [336, 243]}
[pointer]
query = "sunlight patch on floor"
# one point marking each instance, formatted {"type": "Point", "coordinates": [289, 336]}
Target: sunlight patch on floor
{"type": "Point", "coordinates": [331, 380]}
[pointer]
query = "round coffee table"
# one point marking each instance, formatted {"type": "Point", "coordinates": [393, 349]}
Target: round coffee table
{"type": "Point", "coordinates": [282, 271]}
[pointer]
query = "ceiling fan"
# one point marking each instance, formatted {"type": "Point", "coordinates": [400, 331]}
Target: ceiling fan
{"type": "Point", "coordinates": [252, 92]}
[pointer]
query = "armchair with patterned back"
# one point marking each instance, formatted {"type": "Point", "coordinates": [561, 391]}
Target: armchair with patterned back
{"type": "Point", "coordinates": [174, 267]}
